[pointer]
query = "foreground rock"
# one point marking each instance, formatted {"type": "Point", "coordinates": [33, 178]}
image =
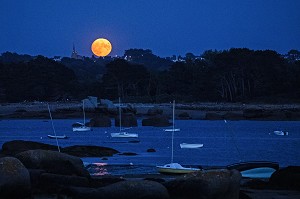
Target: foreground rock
{"type": "Point", "coordinates": [53, 162]}
{"type": "Point", "coordinates": [125, 189]}
{"type": "Point", "coordinates": [49, 174]}
{"type": "Point", "coordinates": [211, 184]}
{"type": "Point", "coordinates": [287, 178]}
{"type": "Point", "coordinates": [14, 179]}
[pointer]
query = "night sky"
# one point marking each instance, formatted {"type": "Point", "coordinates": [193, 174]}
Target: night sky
{"type": "Point", "coordinates": [167, 27]}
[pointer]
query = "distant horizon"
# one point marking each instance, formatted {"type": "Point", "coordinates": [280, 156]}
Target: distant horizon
{"type": "Point", "coordinates": [109, 55]}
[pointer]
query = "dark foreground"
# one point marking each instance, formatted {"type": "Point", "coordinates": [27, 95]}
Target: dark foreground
{"type": "Point", "coordinates": [34, 170]}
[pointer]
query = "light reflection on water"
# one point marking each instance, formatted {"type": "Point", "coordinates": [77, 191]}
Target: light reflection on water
{"type": "Point", "coordinates": [97, 169]}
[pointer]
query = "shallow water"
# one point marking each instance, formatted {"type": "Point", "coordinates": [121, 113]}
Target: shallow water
{"type": "Point", "coordinates": [224, 143]}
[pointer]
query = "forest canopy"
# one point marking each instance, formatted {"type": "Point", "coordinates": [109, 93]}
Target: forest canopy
{"type": "Point", "coordinates": [234, 75]}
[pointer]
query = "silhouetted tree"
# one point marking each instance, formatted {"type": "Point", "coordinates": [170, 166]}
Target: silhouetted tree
{"type": "Point", "coordinates": [293, 55]}
{"type": "Point", "coordinates": [9, 57]}
{"type": "Point", "coordinates": [38, 79]}
{"type": "Point", "coordinates": [147, 58]}
{"type": "Point", "coordinates": [125, 79]}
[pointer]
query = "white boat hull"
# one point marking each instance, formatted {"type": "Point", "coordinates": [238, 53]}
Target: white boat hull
{"type": "Point", "coordinates": [57, 136]}
{"type": "Point", "coordinates": [281, 133]}
{"type": "Point", "coordinates": [255, 169]}
{"type": "Point", "coordinates": [175, 168]}
{"type": "Point", "coordinates": [170, 130]}
{"type": "Point", "coordinates": [82, 128]}
{"type": "Point", "coordinates": [124, 135]}
{"type": "Point", "coordinates": [263, 172]}
{"type": "Point", "coordinates": [190, 146]}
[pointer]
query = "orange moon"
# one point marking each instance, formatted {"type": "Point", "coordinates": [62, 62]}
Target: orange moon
{"type": "Point", "coordinates": [101, 47]}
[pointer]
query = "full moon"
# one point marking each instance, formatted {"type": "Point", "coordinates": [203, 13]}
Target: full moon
{"type": "Point", "coordinates": [101, 47]}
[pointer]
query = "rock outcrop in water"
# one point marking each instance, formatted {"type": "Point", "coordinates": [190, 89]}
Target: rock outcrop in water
{"type": "Point", "coordinates": [208, 111]}
{"type": "Point", "coordinates": [127, 119]}
{"type": "Point", "coordinates": [156, 121]}
{"type": "Point", "coordinates": [100, 121]}
{"type": "Point", "coordinates": [16, 146]}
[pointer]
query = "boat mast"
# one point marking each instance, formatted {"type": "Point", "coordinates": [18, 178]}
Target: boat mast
{"type": "Point", "coordinates": [173, 130]}
{"type": "Point", "coordinates": [53, 128]}
{"type": "Point", "coordinates": [83, 112]}
{"type": "Point", "coordinates": [120, 114]}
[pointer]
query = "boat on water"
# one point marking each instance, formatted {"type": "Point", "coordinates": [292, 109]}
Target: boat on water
{"type": "Point", "coordinates": [122, 133]}
{"type": "Point", "coordinates": [170, 130]}
{"type": "Point", "coordinates": [190, 146]}
{"type": "Point", "coordinates": [281, 133]}
{"type": "Point", "coordinates": [255, 169]}
{"type": "Point", "coordinates": [78, 126]}
{"type": "Point", "coordinates": [174, 168]}
{"type": "Point", "coordinates": [57, 136]}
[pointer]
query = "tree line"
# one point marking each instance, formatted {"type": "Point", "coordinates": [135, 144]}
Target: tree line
{"type": "Point", "coordinates": [234, 75]}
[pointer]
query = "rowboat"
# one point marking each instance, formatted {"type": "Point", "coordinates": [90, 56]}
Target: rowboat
{"type": "Point", "coordinates": [57, 136]}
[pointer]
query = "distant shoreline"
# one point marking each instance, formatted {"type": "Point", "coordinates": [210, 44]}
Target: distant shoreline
{"type": "Point", "coordinates": [203, 111]}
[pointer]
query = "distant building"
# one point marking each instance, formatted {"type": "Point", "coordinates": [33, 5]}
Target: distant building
{"type": "Point", "coordinates": [57, 58]}
{"type": "Point", "coordinates": [74, 54]}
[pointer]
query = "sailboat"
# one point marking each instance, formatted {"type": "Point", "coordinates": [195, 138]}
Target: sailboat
{"type": "Point", "coordinates": [174, 168]}
{"type": "Point", "coordinates": [81, 126]}
{"type": "Point", "coordinates": [55, 136]}
{"type": "Point", "coordinates": [122, 133]}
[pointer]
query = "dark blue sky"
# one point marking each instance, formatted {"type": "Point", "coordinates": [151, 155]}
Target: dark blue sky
{"type": "Point", "coordinates": [167, 27]}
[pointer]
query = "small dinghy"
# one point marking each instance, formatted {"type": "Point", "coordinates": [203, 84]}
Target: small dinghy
{"type": "Point", "coordinates": [57, 136]}
{"type": "Point", "coordinates": [281, 133]}
{"type": "Point", "coordinates": [190, 146]}
{"type": "Point", "coordinates": [255, 169]}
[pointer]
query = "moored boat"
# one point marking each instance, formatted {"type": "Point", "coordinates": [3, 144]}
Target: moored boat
{"type": "Point", "coordinates": [124, 135]}
{"type": "Point", "coordinates": [57, 136]}
{"type": "Point", "coordinates": [281, 133]}
{"type": "Point", "coordinates": [190, 146]}
{"type": "Point", "coordinates": [255, 169]}
{"type": "Point", "coordinates": [175, 168]}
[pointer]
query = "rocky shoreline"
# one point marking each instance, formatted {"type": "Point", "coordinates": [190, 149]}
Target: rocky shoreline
{"type": "Point", "coordinates": [35, 170]}
{"type": "Point", "coordinates": [200, 111]}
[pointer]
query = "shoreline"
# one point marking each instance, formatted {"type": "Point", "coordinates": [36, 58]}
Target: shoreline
{"type": "Point", "coordinates": [196, 111]}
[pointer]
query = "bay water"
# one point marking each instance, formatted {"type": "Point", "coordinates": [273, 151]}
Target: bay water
{"type": "Point", "coordinates": [224, 143]}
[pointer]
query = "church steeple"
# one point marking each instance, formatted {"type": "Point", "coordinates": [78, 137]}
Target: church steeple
{"type": "Point", "coordinates": [74, 50]}
{"type": "Point", "coordinates": [74, 54]}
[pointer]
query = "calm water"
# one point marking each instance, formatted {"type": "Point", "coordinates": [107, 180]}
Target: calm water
{"type": "Point", "coordinates": [224, 143]}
